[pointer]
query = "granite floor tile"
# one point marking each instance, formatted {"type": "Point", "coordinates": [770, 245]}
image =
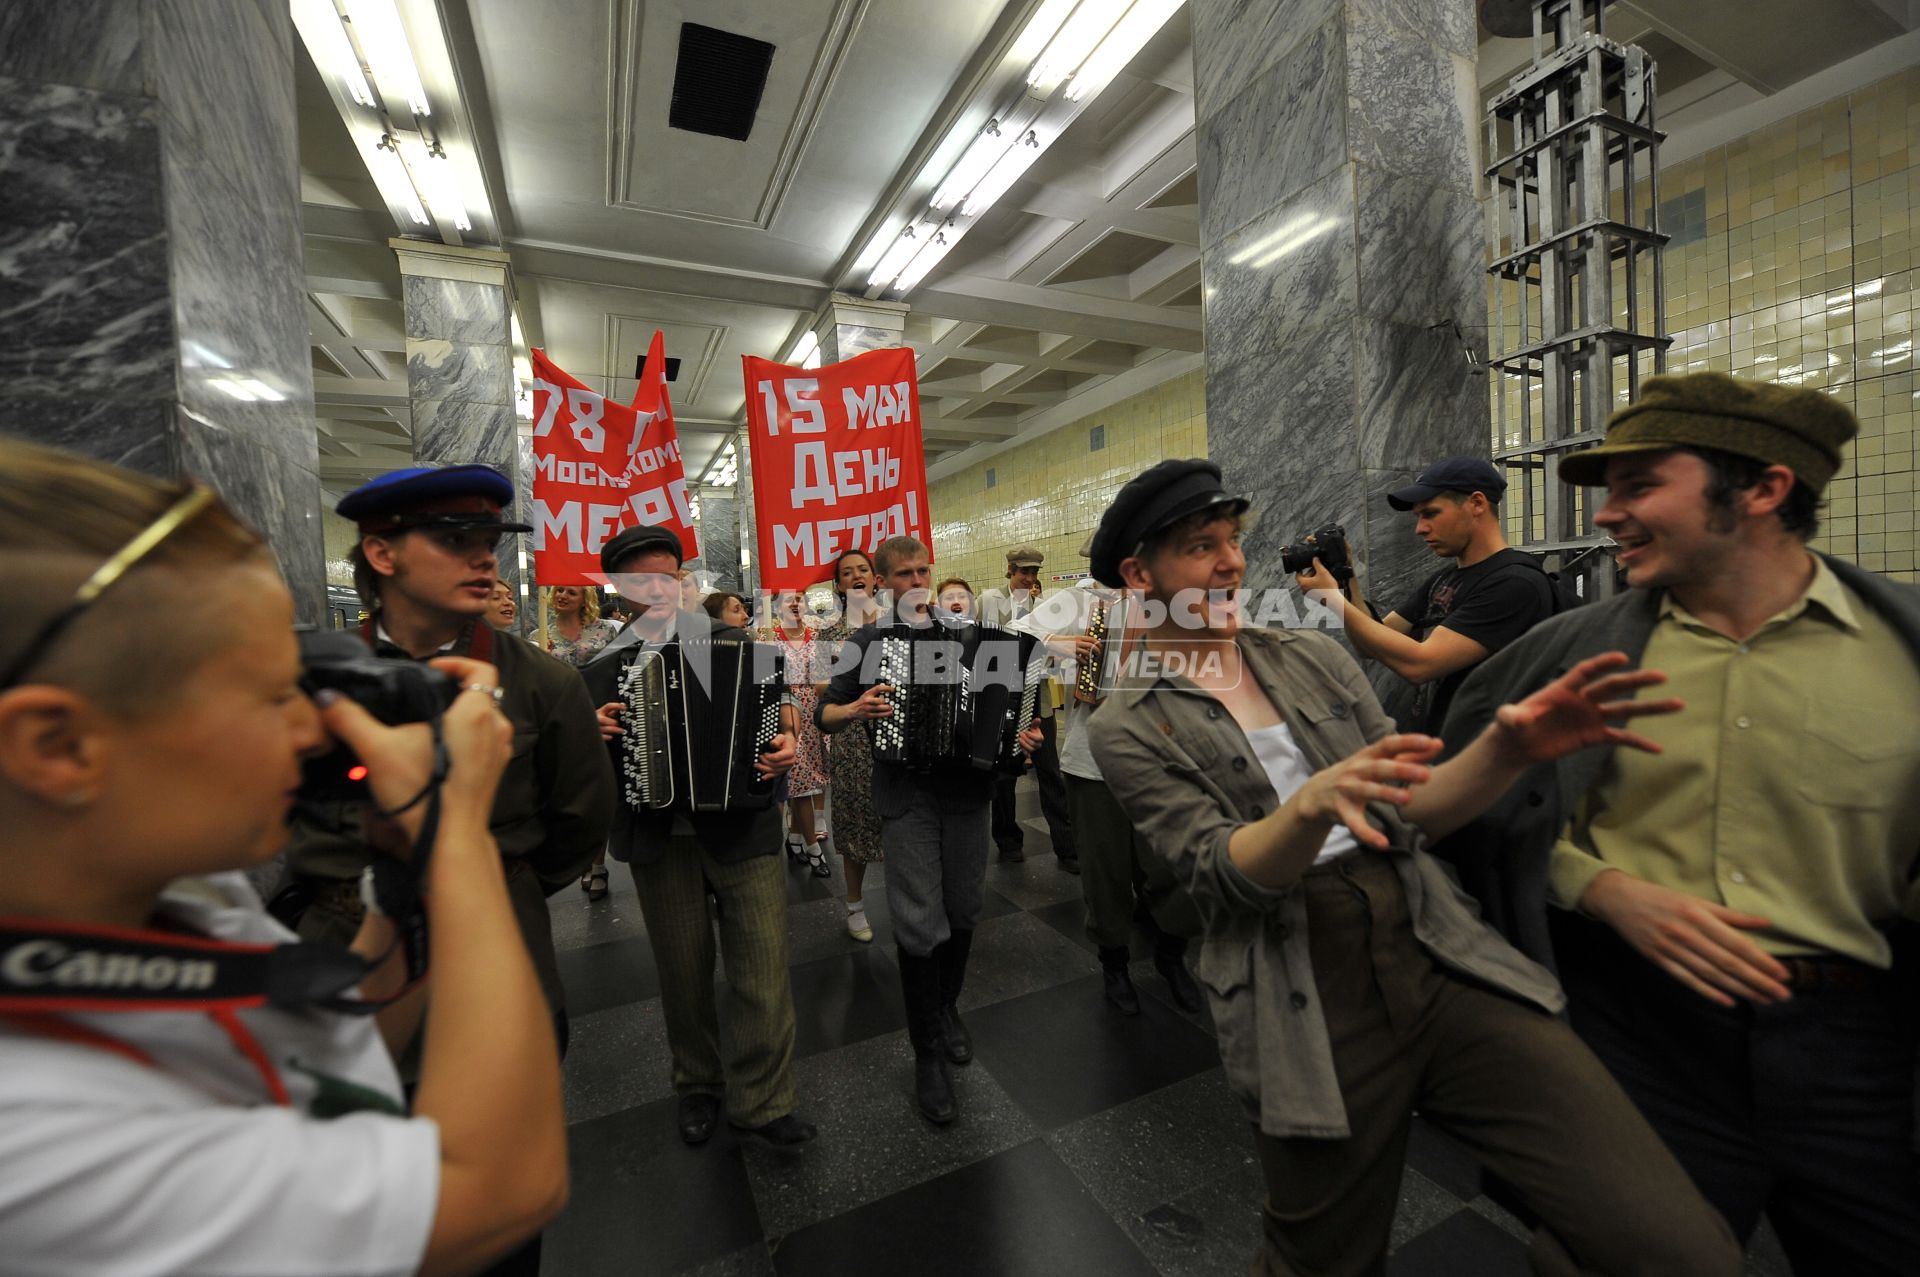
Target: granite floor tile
{"type": "Point", "coordinates": [818, 928]}
{"type": "Point", "coordinates": [873, 1141]}
{"type": "Point", "coordinates": [1466, 1244]}
{"type": "Point", "coordinates": [609, 975]}
{"type": "Point", "coordinates": [644, 1203]}
{"type": "Point", "coordinates": [1443, 1159]}
{"type": "Point", "coordinates": [1423, 1205]}
{"type": "Point", "coordinates": [750, 1261]}
{"type": "Point", "coordinates": [616, 1059]}
{"type": "Point", "coordinates": [846, 999]}
{"type": "Point", "coordinates": [1018, 954]}
{"type": "Point", "coordinates": [1208, 1230]}
{"type": "Point", "coordinates": [1018, 1214]}
{"type": "Point", "coordinates": [579, 922]}
{"type": "Point", "coordinates": [1064, 1054]}
{"type": "Point", "coordinates": [1034, 882]}
{"type": "Point", "coordinates": [1154, 1149]}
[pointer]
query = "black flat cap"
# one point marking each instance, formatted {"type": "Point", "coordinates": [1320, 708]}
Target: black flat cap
{"type": "Point", "coordinates": [639, 539]}
{"type": "Point", "coordinates": [1160, 496]}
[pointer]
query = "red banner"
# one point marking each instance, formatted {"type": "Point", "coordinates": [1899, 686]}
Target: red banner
{"type": "Point", "coordinates": [837, 461]}
{"type": "Point", "coordinates": [599, 466]}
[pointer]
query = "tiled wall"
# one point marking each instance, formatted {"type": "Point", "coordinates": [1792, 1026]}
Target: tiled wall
{"type": "Point", "coordinates": [1051, 492]}
{"type": "Point", "coordinates": [1792, 260]}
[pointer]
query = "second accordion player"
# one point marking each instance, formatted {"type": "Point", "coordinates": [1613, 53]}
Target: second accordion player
{"type": "Point", "coordinates": [700, 712]}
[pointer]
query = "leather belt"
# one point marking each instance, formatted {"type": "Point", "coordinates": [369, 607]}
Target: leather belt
{"type": "Point", "coordinates": [1831, 975]}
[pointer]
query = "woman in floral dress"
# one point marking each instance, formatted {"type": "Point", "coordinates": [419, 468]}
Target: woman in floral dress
{"type": "Point", "coordinates": [856, 823]}
{"type": "Point", "coordinates": [799, 643]}
{"type": "Point", "coordinates": [575, 634]}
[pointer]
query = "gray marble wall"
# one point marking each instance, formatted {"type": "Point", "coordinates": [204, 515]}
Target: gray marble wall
{"type": "Point", "coordinates": [1342, 242]}
{"type": "Point", "coordinates": [460, 373]}
{"type": "Point", "coordinates": [150, 252]}
{"type": "Point", "coordinates": [719, 533]}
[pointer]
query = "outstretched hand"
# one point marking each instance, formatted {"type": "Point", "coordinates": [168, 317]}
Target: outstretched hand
{"type": "Point", "coordinates": [1581, 708]}
{"type": "Point", "coordinates": [1383, 772]}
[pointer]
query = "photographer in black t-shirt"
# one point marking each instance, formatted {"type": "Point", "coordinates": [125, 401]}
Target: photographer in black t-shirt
{"type": "Point", "coordinates": [1462, 614]}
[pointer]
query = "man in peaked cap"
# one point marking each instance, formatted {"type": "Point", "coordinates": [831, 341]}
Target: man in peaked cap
{"type": "Point", "coordinates": [1004, 608]}
{"type": "Point", "coordinates": [679, 856]}
{"type": "Point", "coordinates": [1349, 979]}
{"type": "Point", "coordinates": [425, 566]}
{"type": "Point", "coordinates": [1732, 917]}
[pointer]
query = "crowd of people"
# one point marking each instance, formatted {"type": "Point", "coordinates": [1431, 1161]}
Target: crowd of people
{"type": "Point", "coordinates": [1620, 891]}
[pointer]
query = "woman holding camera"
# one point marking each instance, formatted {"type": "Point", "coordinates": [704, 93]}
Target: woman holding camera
{"type": "Point", "coordinates": [167, 1125]}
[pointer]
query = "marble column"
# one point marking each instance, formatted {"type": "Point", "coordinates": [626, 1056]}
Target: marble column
{"type": "Point", "coordinates": [152, 305]}
{"type": "Point", "coordinates": [719, 533]}
{"type": "Point", "coordinates": [1343, 252]}
{"type": "Point", "coordinates": [459, 323]}
{"type": "Point", "coordinates": [853, 325]}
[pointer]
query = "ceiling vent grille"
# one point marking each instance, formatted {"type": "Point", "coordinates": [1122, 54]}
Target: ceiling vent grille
{"type": "Point", "coordinates": [640, 366]}
{"type": "Point", "coordinates": [718, 81]}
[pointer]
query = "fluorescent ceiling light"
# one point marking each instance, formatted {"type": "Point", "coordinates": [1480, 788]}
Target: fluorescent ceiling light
{"type": "Point", "coordinates": [326, 40]}
{"type": "Point", "coordinates": [390, 175]}
{"type": "Point", "coordinates": [895, 258]}
{"type": "Point", "coordinates": [433, 175]}
{"type": "Point", "coordinates": [924, 260]}
{"type": "Point", "coordinates": [1083, 32]}
{"type": "Point", "coordinates": [807, 347]}
{"type": "Point", "coordinates": [1015, 162]}
{"type": "Point", "coordinates": [1045, 23]}
{"type": "Point", "coordinates": [384, 40]}
{"type": "Point", "coordinates": [1142, 23]}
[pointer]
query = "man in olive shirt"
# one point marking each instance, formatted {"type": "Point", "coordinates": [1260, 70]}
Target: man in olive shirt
{"type": "Point", "coordinates": [1350, 981]}
{"type": "Point", "coordinates": [1731, 913]}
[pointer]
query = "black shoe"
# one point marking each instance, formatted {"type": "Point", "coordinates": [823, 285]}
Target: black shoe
{"type": "Point", "coordinates": [698, 1113]}
{"type": "Point", "coordinates": [1121, 995]}
{"type": "Point", "coordinates": [781, 1134]}
{"type": "Point", "coordinates": [1069, 864]}
{"type": "Point", "coordinates": [954, 1036]}
{"type": "Point", "coordinates": [933, 1086]}
{"type": "Point", "coordinates": [1012, 856]}
{"type": "Point", "coordinates": [1186, 994]}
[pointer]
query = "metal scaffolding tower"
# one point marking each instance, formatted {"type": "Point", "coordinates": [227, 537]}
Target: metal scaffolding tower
{"type": "Point", "coordinates": [1577, 293]}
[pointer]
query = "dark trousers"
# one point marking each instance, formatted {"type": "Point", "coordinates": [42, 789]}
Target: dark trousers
{"type": "Point", "coordinates": [1007, 834]}
{"type": "Point", "coordinates": [1508, 1080]}
{"type": "Point", "coordinates": [1802, 1110]}
{"type": "Point", "coordinates": [1118, 869]}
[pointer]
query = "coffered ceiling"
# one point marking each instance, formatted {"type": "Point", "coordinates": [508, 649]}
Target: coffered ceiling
{"type": "Point", "coordinates": [1082, 283]}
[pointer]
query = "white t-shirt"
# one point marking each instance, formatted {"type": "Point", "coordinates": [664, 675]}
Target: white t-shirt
{"type": "Point", "coordinates": [113, 1166]}
{"type": "Point", "coordinates": [1287, 770]}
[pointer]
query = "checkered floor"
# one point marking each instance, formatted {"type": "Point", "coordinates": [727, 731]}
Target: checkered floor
{"type": "Point", "coordinates": [1087, 1143]}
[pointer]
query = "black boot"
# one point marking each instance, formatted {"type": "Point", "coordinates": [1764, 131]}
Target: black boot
{"type": "Point", "coordinates": [920, 988]}
{"type": "Point", "coordinates": [1121, 995]}
{"type": "Point", "coordinates": [951, 959]}
{"type": "Point", "coordinates": [1170, 960]}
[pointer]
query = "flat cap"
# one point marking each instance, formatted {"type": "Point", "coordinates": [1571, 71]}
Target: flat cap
{"type": "Point", "coordinates": [639, 539]}
{"type": "Point", "coordinates": [1450, 474]}
{"type": "Point", "coordinates": [1025, 556]}
{"type": "Point", "coordinates": [1803, 430]}
{"type": "Point", "coordinates": [465, 496]}
{"type": "Point", "coordinates": [1152, 500]}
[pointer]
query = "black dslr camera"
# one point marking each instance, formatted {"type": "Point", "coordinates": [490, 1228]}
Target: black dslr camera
{"type": "Point", "coordinates": [393, 691]}
{"type": "Point", "coordinates": [1329, 545]}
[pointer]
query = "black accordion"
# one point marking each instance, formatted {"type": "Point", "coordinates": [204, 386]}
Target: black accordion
{"type": "Point", "coordinates": [960, 696]}
{"type": "Point", "coordinates": [700, 712]}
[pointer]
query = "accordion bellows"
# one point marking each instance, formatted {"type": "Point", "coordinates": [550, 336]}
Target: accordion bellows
{"type": "Point", "coordinates": [960, 696]}
{"type": "Point", "coordinates": [700, 711]}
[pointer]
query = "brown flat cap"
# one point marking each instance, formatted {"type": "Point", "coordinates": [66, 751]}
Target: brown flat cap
{"type": "Point", "coordinates": [1025, 556]}
{"type": "Point", "coordinates": [1802, 430]}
